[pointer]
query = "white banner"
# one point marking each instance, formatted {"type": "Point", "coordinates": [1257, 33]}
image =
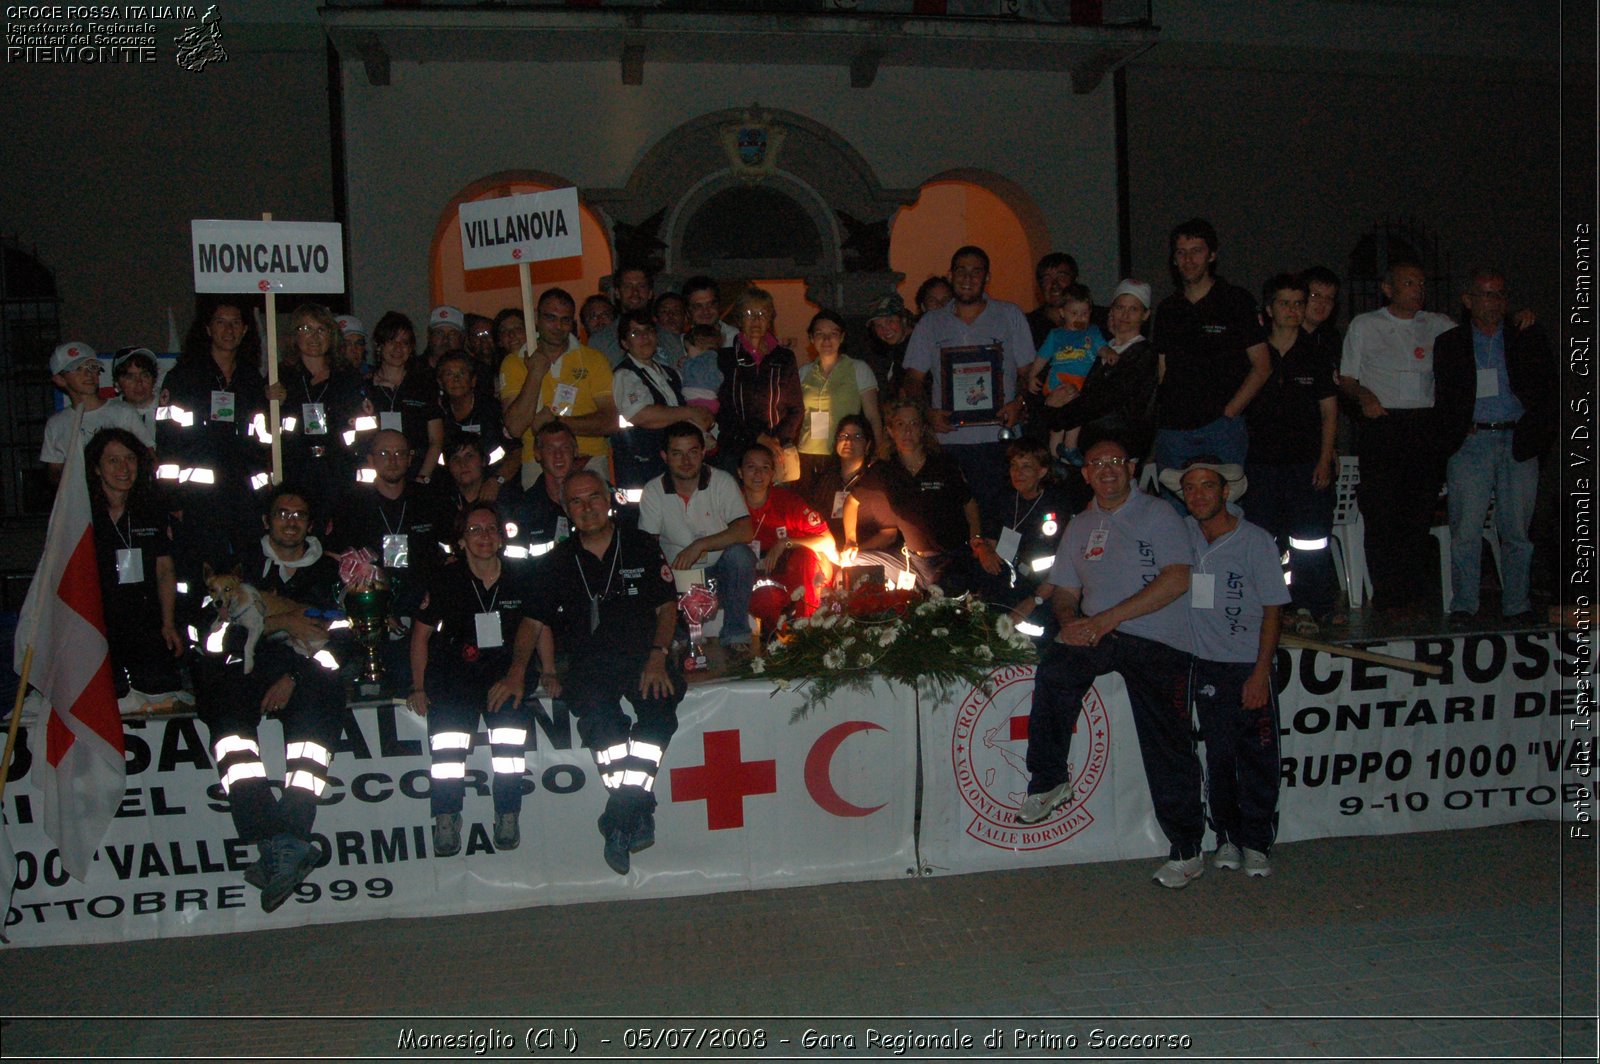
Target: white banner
{"type": "Point", "coordinates": [527, 228]}
{"type": "Point", "coordinates": [256, 256]}
{"type": "Point", "coordinates": [1366, 750]}
{"type": "Point", "coordinates": [747, 800]}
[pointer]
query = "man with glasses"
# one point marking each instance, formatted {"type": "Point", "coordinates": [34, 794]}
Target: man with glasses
{"type": "Point", "coordinates": [1118, 589]}
{"type": "Point", "coordinates": [303, 692]}
{"type": "Point", "coordinates": [1495, 440]}
{"type": "Point", "coordinates": [632, 288]}
{"type": "Point", "coordinates": [607, 597]}
{"type": "Point", "coordinates": [400, 524]}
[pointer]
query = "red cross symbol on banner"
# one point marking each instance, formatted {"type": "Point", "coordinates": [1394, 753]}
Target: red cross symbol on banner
{"type": "Point", "coordinates": [724, 780]}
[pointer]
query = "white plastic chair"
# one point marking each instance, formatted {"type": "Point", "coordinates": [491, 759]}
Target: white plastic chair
{"type": "Point", "coordinates": [1491, 536]}
{"type": "Point", "coordinates": [1349, 532]}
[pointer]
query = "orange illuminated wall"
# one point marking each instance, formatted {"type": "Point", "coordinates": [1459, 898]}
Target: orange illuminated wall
{"type": "Point", "coordinates": [487, 291]}
{"type": "Point", "coordinates": [949, 214]}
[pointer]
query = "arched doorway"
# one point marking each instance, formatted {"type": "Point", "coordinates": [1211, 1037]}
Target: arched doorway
{"type": "Point", "coordinates": [966, 207]}
{"type": "Point", "coordinates": [487, 291]}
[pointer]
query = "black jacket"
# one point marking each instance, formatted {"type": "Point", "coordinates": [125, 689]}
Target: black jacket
{"type": "Point", "coordinates": [1532, 369]}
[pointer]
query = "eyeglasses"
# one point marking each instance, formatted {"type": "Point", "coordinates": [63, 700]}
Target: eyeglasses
{"type": "Point", "coordinates": [482, 530]}
{"type": "Point", "coordinates": [1110, 462]}
{"type": "Point", "coordinates": [291, 515]}
{"type": "Point", "coordinates": [756, 314]}
{"type": "Point", "coordinates": [387, 454]}
{"type": "Point", "coordinates": [323, 329]}
{"type": "Point", "coordinates": [855, 436]}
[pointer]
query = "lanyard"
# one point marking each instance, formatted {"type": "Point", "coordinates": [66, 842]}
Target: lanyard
{"type": "Point", "coordinates": [116, 526]}
{"type": "Point", "coordinates": [1016, 522]}
{"type": "Point", "coordinates": [305, 384]}
{"type": "Point", "coordinates": [493, 597]}
{"type": "Point", "coordinates": [394, 531]}
{"type": "Point", "coordinates": [594, 600]}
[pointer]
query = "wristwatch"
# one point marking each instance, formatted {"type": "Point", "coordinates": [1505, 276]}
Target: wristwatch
{"type": "Point", "coordinates": [663, 649]}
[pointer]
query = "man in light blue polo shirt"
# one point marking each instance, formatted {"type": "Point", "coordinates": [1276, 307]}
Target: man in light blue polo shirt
{"type": "Point", "coordinates": [972, 319]}
{"type": "Point", "coordinates": [1118, 588]}
{"type": "Point", "coordinates": [1236, 598]}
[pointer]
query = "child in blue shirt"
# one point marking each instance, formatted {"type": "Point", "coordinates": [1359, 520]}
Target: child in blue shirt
{"type": "Point", "coordinates": [1065, 359]}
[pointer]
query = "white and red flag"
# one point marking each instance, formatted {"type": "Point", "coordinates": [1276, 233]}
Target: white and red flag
{"type": "Point", "coordinates": [79, 767]}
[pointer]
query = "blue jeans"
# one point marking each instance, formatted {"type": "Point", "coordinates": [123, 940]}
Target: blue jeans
{"type": "Point", "coordinates": [735, 574]}
{"type": "Point", "coordinates": [1481, 470]}
{"type": "Point", "coordinates": [1226, 438]}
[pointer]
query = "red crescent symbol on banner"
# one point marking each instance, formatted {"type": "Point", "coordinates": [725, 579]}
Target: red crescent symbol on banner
{"type": "Point", "coordinates": [516, 253]}
{"type": "Point", "coordinates": [820, 760]}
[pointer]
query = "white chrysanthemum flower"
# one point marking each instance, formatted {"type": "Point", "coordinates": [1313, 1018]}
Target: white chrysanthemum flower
{"type": "Point", "coordinates": [1003, 626]}
{"type": "Point", "coordinates": [800, 623]}
{"type": "Point", "coordinates": [758, 666]}
{"type": "Point", "coordinates": [978, 607]}
{"type": "Point", "coordinates": [925, 608]}
{"type": "Point", "coordinates": [888, 635]}
{"type": "Point", "coordinates": [783, 685]}
{"type": "Point", "coordinates": [935, 593]}
{"type": "Point", "coordinates": [865, 659]}
{"type": "Point", "coordinates": [830, 620]}
{"type": "Point", "coordinates": [982, 652]}
{"type": "Point", "coordinates": [833, 659]}
{"type": "Point", "coordinates": [941, 632]}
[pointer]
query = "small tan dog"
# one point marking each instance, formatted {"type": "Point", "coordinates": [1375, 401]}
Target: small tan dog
{"type": "Point", "coordinates": [243, 604]}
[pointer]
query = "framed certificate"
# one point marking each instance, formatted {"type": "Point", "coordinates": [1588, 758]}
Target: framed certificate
{"type": "Point", "coordinates": [974, 389]}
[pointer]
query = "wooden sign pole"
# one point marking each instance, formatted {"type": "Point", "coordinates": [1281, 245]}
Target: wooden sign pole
{"type": "Point", "coordinates": [274, 409]}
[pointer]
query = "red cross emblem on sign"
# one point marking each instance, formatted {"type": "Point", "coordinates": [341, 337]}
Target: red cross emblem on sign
{"type": "Point", "coordinates": [724, 780]}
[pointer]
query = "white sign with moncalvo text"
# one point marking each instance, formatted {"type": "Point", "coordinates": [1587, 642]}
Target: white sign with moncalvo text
{"type": "Point", "coordinates": [257, 256]}
{"type": "Point", "coordinates": [526, 228]}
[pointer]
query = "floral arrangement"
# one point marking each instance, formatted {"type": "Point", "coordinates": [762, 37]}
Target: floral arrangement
{"type": "Point", "coordinates": [924, 640]}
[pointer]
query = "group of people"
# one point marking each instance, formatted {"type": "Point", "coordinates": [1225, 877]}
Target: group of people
{"type": "Point", "coordinates": [534, 493]}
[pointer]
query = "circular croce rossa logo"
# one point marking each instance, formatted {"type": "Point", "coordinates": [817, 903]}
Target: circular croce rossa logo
{"type": "Point", "coordinates": [989, 749]}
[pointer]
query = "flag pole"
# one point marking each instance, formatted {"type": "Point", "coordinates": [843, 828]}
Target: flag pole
{"type": "Point", "coordinates": [274, 409]}
{"type": "Point", "coordinates": [16, 716]}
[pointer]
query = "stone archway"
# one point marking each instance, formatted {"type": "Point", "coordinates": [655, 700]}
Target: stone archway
{"type": "Point", "coordinates": [753, 192]}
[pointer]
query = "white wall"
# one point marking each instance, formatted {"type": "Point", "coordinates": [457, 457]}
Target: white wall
{"type": "Point", "coordinates": [416, 142]}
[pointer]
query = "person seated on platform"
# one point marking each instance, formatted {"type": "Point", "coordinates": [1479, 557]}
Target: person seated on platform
{"type": "Point", "coordinates": [1116, 397]}
{"type": "Point", "coordinates": [1236, 600]}
{"type": "Point", "coordinates": [607, 598]}
{"type": "Point", "coordinates": [304, 693]}
{"type": "Point", "coordinates": [917, 502]}
{"type": "Point", "coordinates": [403, 395]}
{"type": "Point", "coordinates": [649, 397]}
{"type": "Point", "coordinates": [75, 369]}
{"type": "Point", "coordinates": [466, 409]}
{"type": "Point", "coordinates": [792, 540]}
{"type": "Point", "coordinates": [759, 401]}
{"type": "Point", "coordinates": [700, 517]}
{"type": "Point", "coordinates": [1118, 588]}
{"type": "Point", "coordinates": [137, 581]}
{"type": "Point", "coordinates": [460, 649]}
{"type": "Point", "coordinates": [1293, 422]}
{"type": "Point", "coordinates": [319, 411]}
{"type": "Point", "coordinates": [698, 371]}
{"type": "Point", "coordinates": [833, 386]}
{"type": "Point", "coordinates": [1027, 528]}
{"type": "Point", "coordinates": [854, 446]}
{"type": "Point", "coordinates": [400, 523]}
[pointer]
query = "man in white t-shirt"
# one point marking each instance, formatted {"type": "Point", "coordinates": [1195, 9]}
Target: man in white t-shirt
{"type": "Point", "coordinates": [700, 517]}
{"type": "Point", "coordinates": [75, 369]}
{"type": "Point", "coordinates": [1387, 367]}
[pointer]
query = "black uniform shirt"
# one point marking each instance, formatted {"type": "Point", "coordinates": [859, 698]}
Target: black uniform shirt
{"type": "Point", "coordinates": [1204, 345]}
{"type": "Point", "coordinates": [456, 597]}
{"type": "Point", "coordinates": [632, 581]}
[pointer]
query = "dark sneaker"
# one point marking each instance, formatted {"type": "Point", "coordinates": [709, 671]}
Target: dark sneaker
{"type": "Point", "coordinates": [616, 851]}
{"type": "Point", "coordinates": [644, 835]}
{"type": "Point", "coordinates": [293, 860]}
{"type": "Point", "coordinates": [447, 834]}
{"type": "Point", "coordinates": [507, 832]}
{"type": "Point", "coordinates": [258, 874]}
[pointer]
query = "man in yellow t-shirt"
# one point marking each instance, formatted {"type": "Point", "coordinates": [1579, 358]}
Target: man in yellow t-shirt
{"type": "Point", "coordinates": [558, 379]}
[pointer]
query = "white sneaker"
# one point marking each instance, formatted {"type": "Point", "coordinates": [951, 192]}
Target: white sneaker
{"type": "Point", "coordinates": [1256, 863]}
{"type": "Point", "coordinates": [1037, 807]}
{"type": "Point", "coordinates": [1176, 874]}
{"type": "Point", "coordinates": [1227, 856]}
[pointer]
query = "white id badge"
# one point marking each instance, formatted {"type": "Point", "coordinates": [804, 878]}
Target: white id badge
{"type": "Point", "coordinates": [130, 565]}
{"type": "Point", "coordinates": [1488, 383]}
{"type": "Point", "coordinates": [315, 418]}
{"type": "Point", "coordinates": [488, 625]}
{"type": "Point", "coordinates": [563, 529]}
{"type": "Point", "coordinates": [1095, 549]}
{"type": "Point", "coordinates": [396, 550]}
{"type": "Point", "coordinates": [566, 398]}
{"type": "Point", "coordinates": [1202, 591]}
{"type": "Point", "coordinates": [389, 421]}
{"type": "Point", "coordinates": [905, 581]}
{"type": "Point", "coordinates": [221, 406]}
{"type": "Point", "coordinates": [1008, 544]}
{"type": "Point", "coordinates": [821, 422]}
{"type": "Point", "coordinates": [838, 502]}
